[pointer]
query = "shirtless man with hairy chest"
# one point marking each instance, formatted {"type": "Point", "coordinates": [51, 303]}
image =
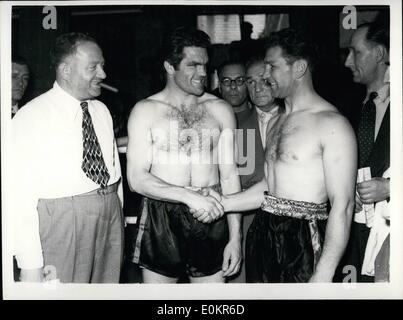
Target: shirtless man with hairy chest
{"type": "Point", "coordinates": [294, 161]}
{"type": "Point", "coordinates": [310, 159]}
{"type": "Point", "coordinates": [185, 140]}
{"type": "Point", "coordinates": [180, 158]}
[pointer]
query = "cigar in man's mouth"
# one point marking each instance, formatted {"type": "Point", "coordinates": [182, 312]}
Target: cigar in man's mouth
{"type": "Point", "coordinates": [108, 87]}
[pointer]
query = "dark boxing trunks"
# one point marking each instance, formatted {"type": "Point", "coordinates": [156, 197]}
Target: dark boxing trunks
{"type": "Point", "coordinates": [170, 241]}
{"type": "Point", "coordinates": [284, 241]}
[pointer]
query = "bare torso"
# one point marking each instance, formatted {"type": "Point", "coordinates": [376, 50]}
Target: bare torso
{"type": "Point", "coordinates": [294, 157]}
{"type": "Point", "coordinates": [184, 142]}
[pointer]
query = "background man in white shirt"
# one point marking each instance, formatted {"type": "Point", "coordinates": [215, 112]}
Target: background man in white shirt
{"type": "Point", "coordinates": [368, 60]}
{"type": "Point", "coordinates": [68, 216]}
{"type": "Point", "coordinates": [19, 81]}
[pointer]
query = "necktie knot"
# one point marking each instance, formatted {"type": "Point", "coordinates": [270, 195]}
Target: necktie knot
{"type": "Point", "coordinates": [84, 105]}
{"type": "Point", "coordinates": [373, 95]}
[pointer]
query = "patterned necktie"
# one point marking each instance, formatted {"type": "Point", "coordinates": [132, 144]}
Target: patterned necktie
{"type": "Point", "coordinates": [93, 163]}
{"type": "Point", "coordinates": [366, 130]}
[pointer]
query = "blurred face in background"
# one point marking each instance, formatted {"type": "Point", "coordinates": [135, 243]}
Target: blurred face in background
{"type": "Point", "coordinates": [232, 85]}
{"type": "Point", "coordinates": [259, 90]}
{"type": "Point", "coordinates": [19, 81]}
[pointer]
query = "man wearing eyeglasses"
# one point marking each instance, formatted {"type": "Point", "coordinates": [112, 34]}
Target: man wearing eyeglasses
{"type": "Point", "coordinates": [232, 87]}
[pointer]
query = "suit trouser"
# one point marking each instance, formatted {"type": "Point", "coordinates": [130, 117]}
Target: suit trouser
{"type": "Point", "coordinates": [356, 251]}
{"type": "Point", "coordinates": [82, 236]}
{"type": "Point", "coordinates": [382, 262]}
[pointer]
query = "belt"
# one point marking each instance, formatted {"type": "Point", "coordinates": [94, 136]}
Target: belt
{"type": "Point", "coordinates": [300, 210]}
{"type": "Point", "coordinates": [103, 191]}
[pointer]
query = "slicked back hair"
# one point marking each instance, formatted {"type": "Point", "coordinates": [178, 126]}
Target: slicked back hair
{"type": "Point", "coordinates": [295, 45]}
{"type": "Point", "coordinates": [228, 63]}
{"type": "Point", "coordinates": [377, 33]}
{"type": "Point", "coordinates": [19, 60]}
{"type": "Point", "coordinates": [172, 49]}
{"type": "Point", "coordinates": [66, 44]}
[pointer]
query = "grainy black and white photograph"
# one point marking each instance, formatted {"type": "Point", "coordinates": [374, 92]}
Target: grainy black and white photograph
{"type": "Point", "coordinates": [201, 150]}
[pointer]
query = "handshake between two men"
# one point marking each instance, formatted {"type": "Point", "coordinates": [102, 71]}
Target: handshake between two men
{"type": "Point", "coordinates": [209, 206]}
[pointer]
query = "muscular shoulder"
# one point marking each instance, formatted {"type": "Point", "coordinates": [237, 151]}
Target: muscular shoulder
{"type": "Point", "coordinates": [220, 110]}
{"type": "Point", "coordinates": [331, 118]}
{"type": "Point", "coordinates": [144, 110]}
{"type": "Point", "coordinates": [332, 125]}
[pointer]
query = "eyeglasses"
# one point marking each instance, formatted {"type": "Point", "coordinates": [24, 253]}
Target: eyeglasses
{"type": "Point", "coordinates": [228, 82]}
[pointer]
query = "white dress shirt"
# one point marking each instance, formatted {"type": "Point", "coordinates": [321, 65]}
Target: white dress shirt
{"type": "Point", "coordinates": [381, 102]}
{"type": "Point", "coordinates": [48, 150]}
{"type": "Point", "coordinates": [264, 118]}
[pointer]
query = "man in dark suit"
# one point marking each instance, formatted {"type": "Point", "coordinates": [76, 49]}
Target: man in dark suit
{"type": "Point", "coordinates": [368, 60]}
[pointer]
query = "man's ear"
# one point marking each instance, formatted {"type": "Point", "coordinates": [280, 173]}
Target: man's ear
{"type": "Point", "coordinates": [169, 68]}
{"type": "Point", "coordinates": [300, 67]}
{"type": "Point", "coordinates": [381, 54]}
{"type": "Point", "coordinates": [64, 70]}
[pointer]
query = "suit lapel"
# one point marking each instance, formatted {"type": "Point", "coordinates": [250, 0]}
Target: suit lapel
{"type": "Point", "coordinates": [380, 155]}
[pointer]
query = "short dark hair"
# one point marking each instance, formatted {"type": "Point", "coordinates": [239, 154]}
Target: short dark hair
{"type": "Point", "coordinates": [378, 32]}
{"type": "Point", "coordinates": [66, 44]}
{"type": "Point", "coordinates": [15, 58]}
{"type": "Point", "coordinates": [254, 59]}
{"type": "Point", "coordinates": [172, 50]}
{"type": "Point", "coordinates": [296, 44]}
{"type": "Point", "coordinates": [228, 63]}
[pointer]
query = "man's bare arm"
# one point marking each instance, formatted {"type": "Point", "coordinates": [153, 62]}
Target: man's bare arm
{"type": "Point", "coordinates": [139, 162]}
{"type": "Point", "coordinates": [230, 183]}
{"type": "Point", "coordinates": [249, 199]}
{"type": "Point", "coordinates": [339, 163]}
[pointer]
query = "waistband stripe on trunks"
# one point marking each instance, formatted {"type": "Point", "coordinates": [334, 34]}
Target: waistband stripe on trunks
{"type": "Point", "coordinates": [215, 187]}
{"type": "Point", "coordinates": [294, 209]}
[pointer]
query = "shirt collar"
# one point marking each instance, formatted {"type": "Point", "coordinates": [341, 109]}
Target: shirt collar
{"type": "Point", "coordinates": [384, 91]}
{"type": "Point", "coordinates": [14, 108]}
{"type": "Point", "coordinates": [271, 113]}
{"type": "Point", "coordinates": [67, 100]}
